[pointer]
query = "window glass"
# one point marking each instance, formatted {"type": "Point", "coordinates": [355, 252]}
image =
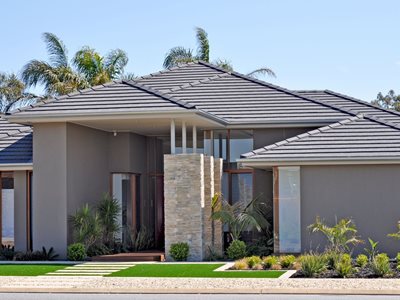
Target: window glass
{"type": "Point", "coordinates": [242, 187]}
{"type": "Point", "coordinates": [241, 141]}
{"type": "Point", "coordinates": [289, 210]}
{"type": "Point", "coordinates": [7, 209]}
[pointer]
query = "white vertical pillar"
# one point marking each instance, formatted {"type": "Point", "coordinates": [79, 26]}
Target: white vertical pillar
{"type": "Point", "coordinates": [183, 137]}
{"type": "Point", "coordinates": [172, 135]}
{"type": "Point", "coordinates": [194, 139]}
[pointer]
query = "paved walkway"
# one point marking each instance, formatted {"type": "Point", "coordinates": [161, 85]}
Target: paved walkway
{"type": "Point", "coordinates": [115, 285]}
{"type": "Point", "coordinates": [91, 269]}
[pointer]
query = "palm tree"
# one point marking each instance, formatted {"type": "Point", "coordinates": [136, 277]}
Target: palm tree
{"type": "Point", "coordinates": [61, 77]}
{"type": "Point", "coordinates": [179, 55]}
{"type": "Point", "coordinates": [57, 75]}
{"type": "Point", "coordinates": [13, 92]}
{"type": "Point", "coordinates": [97, 69]}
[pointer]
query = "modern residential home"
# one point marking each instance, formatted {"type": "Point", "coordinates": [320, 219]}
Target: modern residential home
{"type": "Point", "coordinates": [164, 144]}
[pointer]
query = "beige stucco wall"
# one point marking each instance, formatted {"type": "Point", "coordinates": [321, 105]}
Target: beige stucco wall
{"type": "Point", "coordinates": [20, 220]}
{"type": "Point", "coordinates": [72, 166]}
{"type": "Point", "coordinates": [367, 193]}
{"type": "Point", "coordinates": [49, 203]}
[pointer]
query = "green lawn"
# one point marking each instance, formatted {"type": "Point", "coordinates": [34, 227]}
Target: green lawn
{"type": "Point", "coordinates": [28, 270]}
{"type": "Point", "coordinates": [190, 270]}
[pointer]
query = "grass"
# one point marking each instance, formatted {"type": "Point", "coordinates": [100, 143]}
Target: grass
{"type": "Point", "coordinates": [190, 270]}
{"type": "Point", "coordinates": [28, 270]}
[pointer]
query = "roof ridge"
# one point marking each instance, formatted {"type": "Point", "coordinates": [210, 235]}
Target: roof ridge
{"type": "Point", "coordinates": [166, 70]}
{"type": "Point", "coordinates": [361, 102]}
{"type": "Point", "coordinates": [159, 94]}
{"type": "Point", "coordinates": [196, 83]}
{"type": "Point", "coordinates": [276, 87]}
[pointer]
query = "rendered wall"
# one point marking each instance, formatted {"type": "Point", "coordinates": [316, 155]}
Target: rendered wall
{"type": "Point", "coordinates": [369, 194]}
{"type": "Point", "coordinates": [49, 201]}
{"type": "Point", "coordinates": [20, 193]}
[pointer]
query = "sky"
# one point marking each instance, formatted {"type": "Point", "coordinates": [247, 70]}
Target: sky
{"type": "Point", "coordinates": [348, 46]}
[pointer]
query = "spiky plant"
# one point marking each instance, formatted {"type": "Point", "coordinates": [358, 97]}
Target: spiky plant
{"type": "Point", "coordinates": [108, 211]}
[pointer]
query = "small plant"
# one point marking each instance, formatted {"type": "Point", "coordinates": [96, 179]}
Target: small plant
{"type": "Point", "coordinates": [236, 250]}
{"type": "Point", "coordinates": [332, 258]}
{"type": "Point", "coordinates": [380, 265]}
{"type": "Point", "coordinates": [269, 261]}
{"type": "Point", "coordinates": [287, 261]}
{"type": "Point", "coordinates": [276, 267]}
{"type": "Point", "coordinates": [362, 260]}
{"type": "Point", "coordinates": [340, 236]}
{"type": "Point", "coordinates": [76, 252]}
{"type": "Point", "coordinates": [253, 261]}
{"type": "Point", "coordinates": [344, 267]}
{"type": "Point", "coordinates": [108, 210]}
{"type": "Point", "coordinates": [258, 267]}
{"type": "Point", "coordinates": [49, 255]}
{"type": "Point", "coordinates": [6, 252]}
{"type": "Point", "coordinates": [373, 251]}
{"type": "Point", "coordinates": [179, 251]}
{"type": "Point", "coordinates": [398, 258]}
{"type": "Point", "coordinates": [240, 264]}
{"type": "Point", "coordinates": [312, 264]}
{"type": "Point", "coordinates": [396, 235]}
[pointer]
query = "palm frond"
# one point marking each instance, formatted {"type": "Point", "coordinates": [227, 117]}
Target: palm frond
{"type": "Point", "coordinates": [36, 72]}
{"type": "Point", "coordinates": [56, 49]}
{"type": "Point", "coordinates": [87, 62]}
{"type": "Point", "coordinates": [128, 76]}
{"type": "Point", "coordinates": [223, 63]}
{"type": "Point", "coordinates": [115, 62]}
{"type": "Point", "coordinates": [178, 55]}
{"type": "Point", "coordinates": [262, 72]}
{"type": "Point", "coordinates": [203, 45]}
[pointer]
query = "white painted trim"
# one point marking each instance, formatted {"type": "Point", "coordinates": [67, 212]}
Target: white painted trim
{"type": "Point", "coordinates": [15, 167]}
{"type": "Point", "coordinates": [184, 138]}
{"type": "Point", "coordinates": [259, 163]}
{"type": "Point", "coordinates": [194, 136]}
{"type": "Point", "coordinates": [287, 274]}
{"type": "Point", "coordinates": [172, 136]}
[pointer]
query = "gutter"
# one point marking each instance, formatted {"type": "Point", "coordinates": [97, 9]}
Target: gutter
{"type": "Point", "coordinates": [260, 163]}
{"type": "Point", "coordinates": [16, 167]}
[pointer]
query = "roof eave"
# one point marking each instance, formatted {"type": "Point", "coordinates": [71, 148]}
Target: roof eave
{"type": "Point", "coordinates": [261, 163]}
{"type": "Point", "coordinates": [16, 166]}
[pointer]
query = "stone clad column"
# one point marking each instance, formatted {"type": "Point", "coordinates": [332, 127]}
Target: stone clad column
{"type": "Point", "coordinates": [184, 202]}
{"type": "Point", "coordinates": [190, 182]}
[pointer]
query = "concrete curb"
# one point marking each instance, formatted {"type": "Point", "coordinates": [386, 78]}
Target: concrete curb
{"type": "Point", "coordinates": [201, 291]}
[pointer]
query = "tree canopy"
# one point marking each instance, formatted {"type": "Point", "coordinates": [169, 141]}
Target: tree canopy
{"type": "Point", "coordinates": [389, 101]}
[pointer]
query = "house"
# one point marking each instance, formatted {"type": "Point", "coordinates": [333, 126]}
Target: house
{"type": "Point", "coordinates": [165, 143]}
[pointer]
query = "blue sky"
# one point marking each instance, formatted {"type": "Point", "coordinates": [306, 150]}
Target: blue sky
{"type": "Point", "coordinates": [352, 47]}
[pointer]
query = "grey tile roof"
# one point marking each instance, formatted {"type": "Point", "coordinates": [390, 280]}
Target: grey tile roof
{"type": "Point", "coordinates": [356, 138]}
{"type": "Point", "coordinates": [15, 143]}
{"type": "Point", "coordinates": [353, 104]}
{"type": "Point", "coordinates": [240, 99]}
{"type": "Point", "coordinates": [230, 96]}
{"type": "Point", "coordinates": [113, 97]}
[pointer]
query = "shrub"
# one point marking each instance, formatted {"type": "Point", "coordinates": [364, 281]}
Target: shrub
{"type": "Point", "coordinates": [109, 210]}
{"type": "Point", "coordinates": [236, 250]}
{"type": "Point", "coordinates": [398, 258]}
{"type": "Point", "coordinates": [6, 252]}
{"type": "Point", "coordinates": [373, 251]}
{"type": "Point", "coordinates": [344, 267]}
{"type": "Point", "coordinates": [380, 265]}
{"type": "Point", "coordinates": [332, 258]}
{"type": "Point", "coordinates": [36, 255]}
{"type": "Point", "coordinates": [261, 247]}
{"type": "Point", "coordinates": [179, 251]}
{"type": "Point", "coordinates": [276, 267]}
{"type": "Point", "coordinates": [76, 252]}
{"type": "Point", "coordinates": [258, 267]}
{"type": "Point", "coordinates": [269, 261]}
{"type": "Point", "coordinates": [340, 236]}
{"type": "Point", "coordinates": [287, 261]}
{"type": "Point", "coordinates": [361, 260]}
{"type": "Point", "coordinates": [312, 264]}
{"type": "Point", "coordinates": [240, 264]}
{"type": "Point", "coordinates": [253, 261]}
